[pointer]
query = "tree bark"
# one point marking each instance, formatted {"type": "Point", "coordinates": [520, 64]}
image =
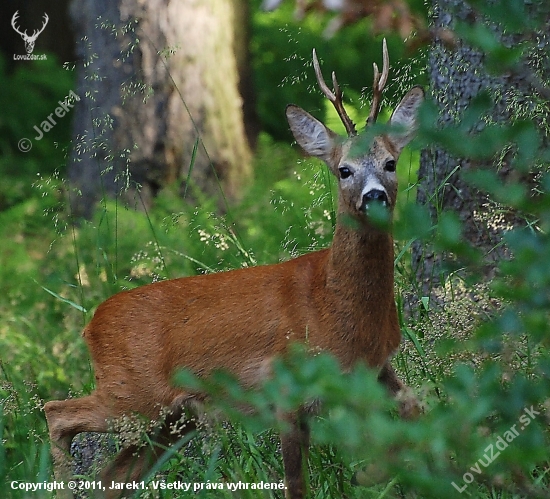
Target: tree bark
{"type": "Point", "coordinates": [159, 100]}
{"type": "Point", "coordinates": [457, 75]}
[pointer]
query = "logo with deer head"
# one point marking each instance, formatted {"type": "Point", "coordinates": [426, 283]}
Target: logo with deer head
{"type": "Point", "coordinates": [28, 39]}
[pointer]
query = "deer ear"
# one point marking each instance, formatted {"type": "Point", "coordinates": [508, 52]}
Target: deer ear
{"type": "Point", "coordinates": [314, 137]}
{"type": "Point", "coordinates": [404, 117]}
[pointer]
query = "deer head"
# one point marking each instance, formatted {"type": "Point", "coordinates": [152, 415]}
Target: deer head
{"type": "Point", "coordinates": [366, 171]}
{"type": "Point", "coordinates": [339, 299]}
{"type": "Point", "coordinates": [29, 40]}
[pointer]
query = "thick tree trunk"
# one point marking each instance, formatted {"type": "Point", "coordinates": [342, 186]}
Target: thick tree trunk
{"type": "Point", "coordinates": [457, 75]}
{"type": "Point", "coordinates": [159, 99]}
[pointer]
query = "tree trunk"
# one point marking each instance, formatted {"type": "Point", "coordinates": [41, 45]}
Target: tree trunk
{"type": "Point", "coordinates": [159, 100]}
{"type": "Point", "coordinates": [457, 75]}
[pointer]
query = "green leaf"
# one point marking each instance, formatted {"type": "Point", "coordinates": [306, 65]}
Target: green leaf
{"type": "Point", "coordinates": [64, 300]}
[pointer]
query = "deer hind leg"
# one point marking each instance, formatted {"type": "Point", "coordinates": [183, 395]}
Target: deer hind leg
{"type": "Point", "coordinates": [133, 463]}
{"type": "Point", "coordinates": [67, 418]}
{"type": "Point", "coordinates": [295, 449]}
{"type": "Point", "coordinates": [129, 465]}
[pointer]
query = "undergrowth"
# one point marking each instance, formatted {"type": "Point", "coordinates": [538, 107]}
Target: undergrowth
{"type": "Point", "coordinates": [65, 270]}
{"type": "Point", "coordinates": [475, 347]}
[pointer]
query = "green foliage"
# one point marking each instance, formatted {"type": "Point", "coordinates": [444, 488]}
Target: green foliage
{"type": "Point", "coordinates": [484, 432]}
{"type": "Point", "coordinates": [479, 359]}
{"type": "Point", "coordinates": [427, 455]}
{"type": "Point", "coordinates": [281, 49]}
{"type": "Point", "coordinates": [29, 94]}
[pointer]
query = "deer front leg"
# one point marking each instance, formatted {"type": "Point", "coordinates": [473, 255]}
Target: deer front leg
{"type": "Point", "coordinates": [409, 407]}
{"type": "Point", "coordinates": [295, 447]}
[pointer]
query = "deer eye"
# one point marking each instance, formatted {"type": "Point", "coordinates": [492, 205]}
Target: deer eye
{"type": "Point", "coordinates": [345, 172]}
{"type": "Point", "coordinates": [390, 165]}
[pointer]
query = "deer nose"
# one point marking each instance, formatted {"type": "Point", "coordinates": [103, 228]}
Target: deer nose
{"type": "Point", "coordinates": [376, 195]}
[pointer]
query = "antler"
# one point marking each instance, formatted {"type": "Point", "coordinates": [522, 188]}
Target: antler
{"type": "Point", "coordinates": [378, 84]}
{"type": "Point", "coordinates": [334, 96]}
{"type": "Point", "coordinates": [13, 19]}
{"type": "Point", "coordinates": [37, 32]}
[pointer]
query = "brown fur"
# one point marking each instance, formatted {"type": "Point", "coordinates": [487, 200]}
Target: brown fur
{"type": "Point", "coordinates": [339, 300]}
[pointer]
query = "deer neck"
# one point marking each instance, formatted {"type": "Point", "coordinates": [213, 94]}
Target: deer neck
{"type": "Point", "coordinates": [360, 264]}
{"type": "Point", "coordinates": [360, 295]}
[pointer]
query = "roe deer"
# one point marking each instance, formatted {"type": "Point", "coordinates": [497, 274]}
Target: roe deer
{"type": "Point", "coordinates": [339, 299]}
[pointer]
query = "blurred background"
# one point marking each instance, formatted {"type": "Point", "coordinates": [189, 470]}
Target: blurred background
{"type": "Point", "coordinates": [162, 76]}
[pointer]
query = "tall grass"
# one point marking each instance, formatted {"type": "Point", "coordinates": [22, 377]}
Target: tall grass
{"type": "Point", "coordinates": [65, 271]}
{"type": "Point", "coordinates": [56, 273]}
{"type": "Point", "coordinates": [477, 361]}
{"type": "Point", "coordinates": [60, 272]}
